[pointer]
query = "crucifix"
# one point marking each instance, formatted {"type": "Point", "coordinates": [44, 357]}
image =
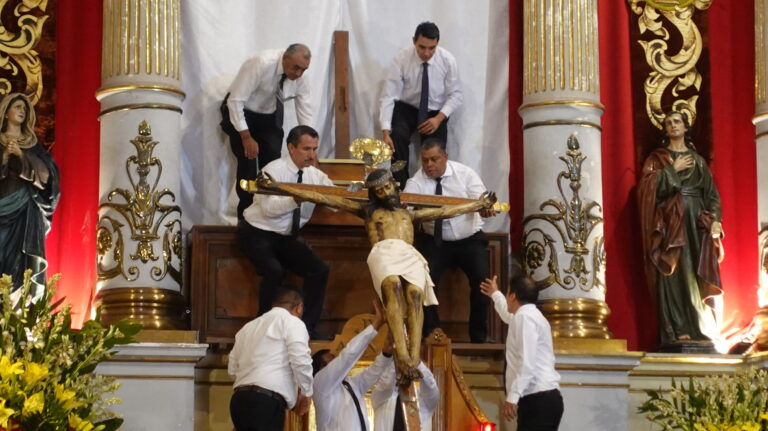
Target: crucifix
{"type": "Point", "coordinates": [400, 274]}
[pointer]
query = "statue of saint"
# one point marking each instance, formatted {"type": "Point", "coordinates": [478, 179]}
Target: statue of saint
{"type": "Point", "coordinates": [400, 273]}
{"type": "Point", "coordinates": [29, 191]}
{"type": "Point", "coordinates": [680, 217]}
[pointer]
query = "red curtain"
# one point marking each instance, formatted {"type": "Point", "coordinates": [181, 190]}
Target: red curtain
{"type": "Point", "coordinates": [731, 41]}
{"type": "Point", "coordinates": [71, 245]}
{"type": "Point", "coordinates": [633, 317]}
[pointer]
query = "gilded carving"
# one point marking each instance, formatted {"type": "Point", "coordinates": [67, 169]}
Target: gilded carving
{"type": "Point", "coordinates": [141, 37]}
{"type": "Point", "coordinates": [571, 224]}
{"type": "Point", "coordinates": [147, 216]}
{"type": "Point", "coordinates": [672, 73]}
{"type": "Point", "coordinates": [18, 58]}
{"type": "Point", "coordinates": [560, 46]}
{"type": "Point", "coordinates": [466, 393]}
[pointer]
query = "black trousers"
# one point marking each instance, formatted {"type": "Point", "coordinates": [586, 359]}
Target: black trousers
{"type": "Point", "coordinates": [264, 129]}
{"type": "Point", "coordinates": [541, 411]}
{"type": "Point", "coordinates": [404, 124]}
{"type": "Point", "coordinates": [273, 254]}
{"type": "Point", "coordinates": [254, 411]}
{"type": "Point", "coordinates": [471, 256]}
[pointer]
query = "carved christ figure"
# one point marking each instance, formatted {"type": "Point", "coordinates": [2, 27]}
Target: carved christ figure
{"type": "Point", "coordinates": [400, 274]}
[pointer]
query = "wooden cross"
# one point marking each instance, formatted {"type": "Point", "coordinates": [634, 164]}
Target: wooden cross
{"type": "Point", "coordinates": [410, 405]}
{"type": "Point", "coordinates": [413, 199]}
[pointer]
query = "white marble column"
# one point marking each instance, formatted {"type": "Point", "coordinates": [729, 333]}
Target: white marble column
{"type": "Point", "coordinates": [761, 125]}
{"type": "Point", "coordinates": [139, 237]}
{"type": "Point", "coordinates": [563, 226]}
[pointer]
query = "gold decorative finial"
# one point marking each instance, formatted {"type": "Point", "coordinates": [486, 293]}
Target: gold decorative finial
{"type": "Point", "coordinates": [372, 152]}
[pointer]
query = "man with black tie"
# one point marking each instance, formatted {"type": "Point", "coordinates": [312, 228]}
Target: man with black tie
{"type": "Point", "coordinates": [252, 111]}
{"type": "Point", "coordinates": [421, 91]}
{"type": "Point", "coordinates": [455, 242]}
{"type": "Point", "coordinates": [268, 233]}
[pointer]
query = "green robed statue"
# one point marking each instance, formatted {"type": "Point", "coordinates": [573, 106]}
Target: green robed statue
{"type": "Point", "coordinates": [680, 216]}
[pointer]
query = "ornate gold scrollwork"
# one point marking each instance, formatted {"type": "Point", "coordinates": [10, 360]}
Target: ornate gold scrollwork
{"type": "Point", "coordinates": [679, 68]}
{"type": "Point", "coordinates": [17, 55]}
{"type": "Point", "coordinates": [145, 215]}
{"type": "Point", "coordinates": [574, 221]}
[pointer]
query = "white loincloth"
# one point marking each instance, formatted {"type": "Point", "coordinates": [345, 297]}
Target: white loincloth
{"type": "Point", "coordinates": [397, 257]}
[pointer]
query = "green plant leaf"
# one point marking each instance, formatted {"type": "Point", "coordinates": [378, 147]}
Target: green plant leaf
{"type": "Point", "coordinates": [111, 424]}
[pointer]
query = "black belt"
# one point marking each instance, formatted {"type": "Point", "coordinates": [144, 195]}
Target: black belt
{"type": "Point", "coordinates": [542, 393]}
{"type": "Point", "coordinates": [264, 391]}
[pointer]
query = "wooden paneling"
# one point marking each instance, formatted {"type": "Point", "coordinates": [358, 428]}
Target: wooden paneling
{"type": "Point", "coordinates": [224, 285]}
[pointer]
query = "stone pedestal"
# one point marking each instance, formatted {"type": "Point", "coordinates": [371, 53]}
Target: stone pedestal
{"type": "Point", "coordinates": [158, 381]}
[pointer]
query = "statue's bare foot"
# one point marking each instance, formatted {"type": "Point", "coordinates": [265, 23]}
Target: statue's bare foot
{"type": "Point", "coordinates": [684, 337]}
{"type": "Point", "coordinates": [409, 375]}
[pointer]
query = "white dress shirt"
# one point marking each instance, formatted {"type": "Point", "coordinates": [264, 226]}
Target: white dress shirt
{"type": "Point", "coordinates": [256, 88]}
{"type": "Point", "coordinates": [502, 309]}
{"type": "Point", "coordinates": [384, 399]}
{"type": "Point", "coordinates": [272, 351]}
{"type": "Point", "coordinates": [529, 353]}
{"type": "Point", "coordinates": [459, 181]}
{"type": "Point", "coordinates": [403, 83]}
{"type": "Point", "coordinates": [275, 213]}
{"type": "Point", "coordinates": [334, 408]}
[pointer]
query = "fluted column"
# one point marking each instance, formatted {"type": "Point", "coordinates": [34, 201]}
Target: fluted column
{"type": "Point", "coordinates": [761, 125]}
{"type": "Point", "coordinates": [139, 232]}
{"type": "Point", "coordinates": [563, 225]}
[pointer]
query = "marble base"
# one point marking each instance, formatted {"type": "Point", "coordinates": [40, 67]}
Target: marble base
{"type": "Point", "coordinates": [158, 384]}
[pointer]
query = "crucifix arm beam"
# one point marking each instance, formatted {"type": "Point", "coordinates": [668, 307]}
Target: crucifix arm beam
{"type": "Point", "coordinates": [487, 201]}
{"type": "Point", "coordinates": [324, 195]}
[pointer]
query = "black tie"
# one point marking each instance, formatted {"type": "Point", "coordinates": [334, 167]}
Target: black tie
{"type": "Point", "coordinates": [357, 403]}
{"type": "Point", "coordinates": [297, 212]}
{"type": "Point", "coordinates": [438, 223]}
{"type": "Point", "coordinates": [279, 104]}
{"type": "Point", "coordinates": [424, 101]}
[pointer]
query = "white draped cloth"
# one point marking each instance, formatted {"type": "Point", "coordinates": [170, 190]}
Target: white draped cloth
{"type": "Point", "coordinates": [397, 257]}
{"type": "Point", "coordinates": [217, 37]}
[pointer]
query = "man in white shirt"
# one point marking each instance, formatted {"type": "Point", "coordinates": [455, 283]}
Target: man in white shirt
{"type": "Point", "coordinates": [533, 395]}
{"type": "Point", "coordinates": [252, 111]}
{"type": "Point", "coordinates": [272, 366]}
{"type": "Point", "coordinates": [340, 398]}
{"type": "Point", "coordinates": [458, 241]}
{"type": "Point", "coordinates": [421, 91]}
{"type": "Point", "coordinates": [388, 414]}
{"type": "Point", "coordinates": [268, 233]}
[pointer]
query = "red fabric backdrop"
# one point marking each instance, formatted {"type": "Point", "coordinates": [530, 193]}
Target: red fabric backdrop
{"type": "Point", "coordinates": [71, 246]}
{"type": "Point", "coordinates": [734, 165]}
{"type": "Point", "coordinates": [632, 317]}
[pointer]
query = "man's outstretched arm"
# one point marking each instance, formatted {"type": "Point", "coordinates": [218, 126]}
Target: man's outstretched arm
{"type": "Point", "coordinates": [485, 201]}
